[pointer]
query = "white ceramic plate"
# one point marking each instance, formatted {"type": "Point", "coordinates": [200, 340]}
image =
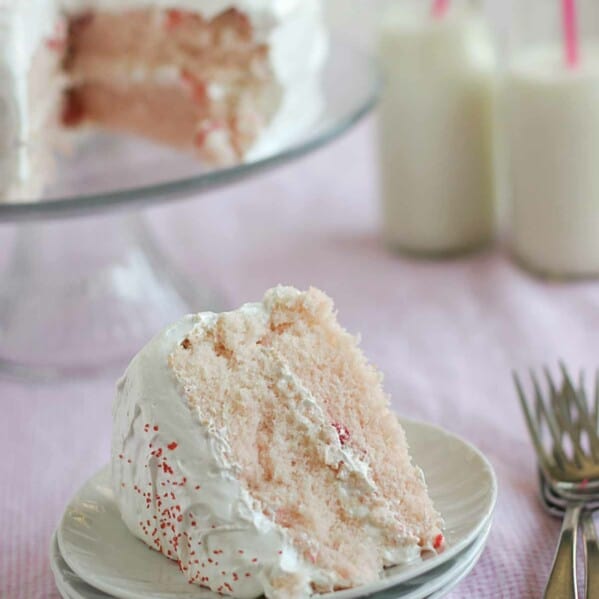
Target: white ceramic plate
{"type": "Point", "coordinates": [99, 548]}
{"type": "Point", "coordinates": [438, 581]}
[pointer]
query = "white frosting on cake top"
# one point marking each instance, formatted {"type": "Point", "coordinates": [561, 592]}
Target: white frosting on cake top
{"type": "Point", "coordinates": [174, 478]}
{"type": "Point", "coordinates": [24, 24]}
{"type": "Point", "coordinates": [261, 12]}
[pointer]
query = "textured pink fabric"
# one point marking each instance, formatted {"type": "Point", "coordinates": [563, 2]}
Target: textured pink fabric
{"type": "Point", "coordinates": [445, 334]}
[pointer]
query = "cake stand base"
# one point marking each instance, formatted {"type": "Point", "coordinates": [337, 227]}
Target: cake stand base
{"type": "Point", "coordinates": [80, 297]}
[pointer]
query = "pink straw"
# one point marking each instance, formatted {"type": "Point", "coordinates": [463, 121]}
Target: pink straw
{"type": "Point", "coordinates": [440, 8]}
{"type": "Point", "coordinates": [571, 42]}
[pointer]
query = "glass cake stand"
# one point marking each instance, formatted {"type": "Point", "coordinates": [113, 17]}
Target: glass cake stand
{"type": "Point", "coordinates": [85, 284]}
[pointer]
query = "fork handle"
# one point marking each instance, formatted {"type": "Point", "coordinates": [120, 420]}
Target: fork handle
{"type": "Point", "coordinates": [591, 549]}
{"type": "Point", "coordinates": [562, 582]}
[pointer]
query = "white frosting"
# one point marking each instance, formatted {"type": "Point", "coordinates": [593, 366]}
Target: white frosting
{"type": "Point", "coordinates": [293, 29]}
{"type": "Point", "coordinates": [225, 516]}
{"type": "Point", "coordinates": [23, 26]}
{"type": "Point", "coordinates": [209, 511]}
{"type": "Point", "coordinates": [264, 13]}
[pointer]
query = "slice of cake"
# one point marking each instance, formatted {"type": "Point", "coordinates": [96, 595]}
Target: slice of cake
{"type": "Point", "coordinates": [230, 80]}
{"type": "Point", "coordinates": [257, 449]}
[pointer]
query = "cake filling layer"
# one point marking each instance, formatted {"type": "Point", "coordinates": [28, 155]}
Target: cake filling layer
{"type": "Point", "coordinates": [173, 76]}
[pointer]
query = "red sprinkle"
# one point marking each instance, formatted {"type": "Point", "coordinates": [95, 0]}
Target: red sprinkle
{"type": "Point", "coordinates": [174, 18]}
{"type": "Point", "coordinates": [58, 41]}
{"type": "Point", "coordinates": [438, 541]}
{"type": "Point", "coordinates": [172, 446]}
{"type": "Point", "coordinates": [197, 88]}
{"type": "Point", "coordinates": [55, 43]}
{"type": "Point", "coordinates": [342, 432]}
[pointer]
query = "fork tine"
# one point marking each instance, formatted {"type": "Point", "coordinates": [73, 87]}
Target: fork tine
{"type": "Point", "coordinates": [561, 410]}
{"type": "Point", "coordinates": [579, 394]}
{"type": "Point", "coordinates": [558, 451]}
{"type": "Point", "coordinates": [580, 397]}
{"type": "Point", "coordinates": [557, 408]}
{"type": "Point", "coordinates": [591, 417]}
{"type": "Point", "coordinates": [588, 417]}
{"type": "Point", "coordinates": [592, 437]}
{"type": "Point", "coordinates": [561, 417]}
{"type": "Point", "coordinates": [570, 396]}
{"type": "Point", "coordinates": [542, 456]}
{"type": "Point", "coordinates": [565, 405]}
{"type": "Point", "coordinates": [562, 414]}
{"type": "Point", "coordinates": [596, 407]}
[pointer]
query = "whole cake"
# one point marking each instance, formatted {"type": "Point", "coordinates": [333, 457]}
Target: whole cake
{"type": "Point", "coordinates": [228, 79]}
{"type": "Point", "coordinates": [257, 449]}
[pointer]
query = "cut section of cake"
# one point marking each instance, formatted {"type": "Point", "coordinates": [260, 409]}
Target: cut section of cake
{"type": "Point", "coordinates": [204, 76]}
{"type": "Point", "coordinates": [257, 449]}
{"type": "Point", "coordinates": [229, 80]}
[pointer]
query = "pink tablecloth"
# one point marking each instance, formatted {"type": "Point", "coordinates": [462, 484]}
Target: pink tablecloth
{"type": "Point", "coordinates": [446, 335]}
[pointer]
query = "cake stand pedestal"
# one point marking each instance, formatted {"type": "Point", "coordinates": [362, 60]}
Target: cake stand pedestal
{"type": "Point", "coordinates": [86, 286]}
{"type": "Point", "coordinates": [81, 296]}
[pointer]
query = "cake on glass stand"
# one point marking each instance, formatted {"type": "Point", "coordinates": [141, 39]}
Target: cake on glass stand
{"type": "Point", "coordinates": [67, 309]}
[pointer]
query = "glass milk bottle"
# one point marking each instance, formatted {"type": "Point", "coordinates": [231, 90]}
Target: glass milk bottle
{"type": "Point", "coordinates": [552, 112]}
{"type": "Point", "coordinates": [436, 125]}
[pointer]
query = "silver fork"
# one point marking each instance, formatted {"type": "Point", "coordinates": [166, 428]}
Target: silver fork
{"type": "Point", "coordinates": [556, 506]}
{"type": "Point", "coordinates": [591, 553]}
{"type": "Point", "coordinates": [564, 433]}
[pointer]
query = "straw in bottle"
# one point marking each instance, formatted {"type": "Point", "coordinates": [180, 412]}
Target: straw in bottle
{"type": "Point", "coordinates": [571, 36]}
{"type": "Point", "coordinates": [439, 8]}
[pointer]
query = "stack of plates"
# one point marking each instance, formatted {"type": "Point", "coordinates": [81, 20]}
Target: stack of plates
{"type": "Point", "coordinates": [93, 555]}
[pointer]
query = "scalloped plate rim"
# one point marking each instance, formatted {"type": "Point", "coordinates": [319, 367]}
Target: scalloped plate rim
{"type": "Point", "coordinates": [431, 589]}
{"type": "Point", "coordinates": [393, 576]}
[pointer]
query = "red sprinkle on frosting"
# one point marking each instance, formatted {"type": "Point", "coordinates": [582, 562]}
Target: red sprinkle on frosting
{"type": "Point", "coordinates": [342, 432]}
